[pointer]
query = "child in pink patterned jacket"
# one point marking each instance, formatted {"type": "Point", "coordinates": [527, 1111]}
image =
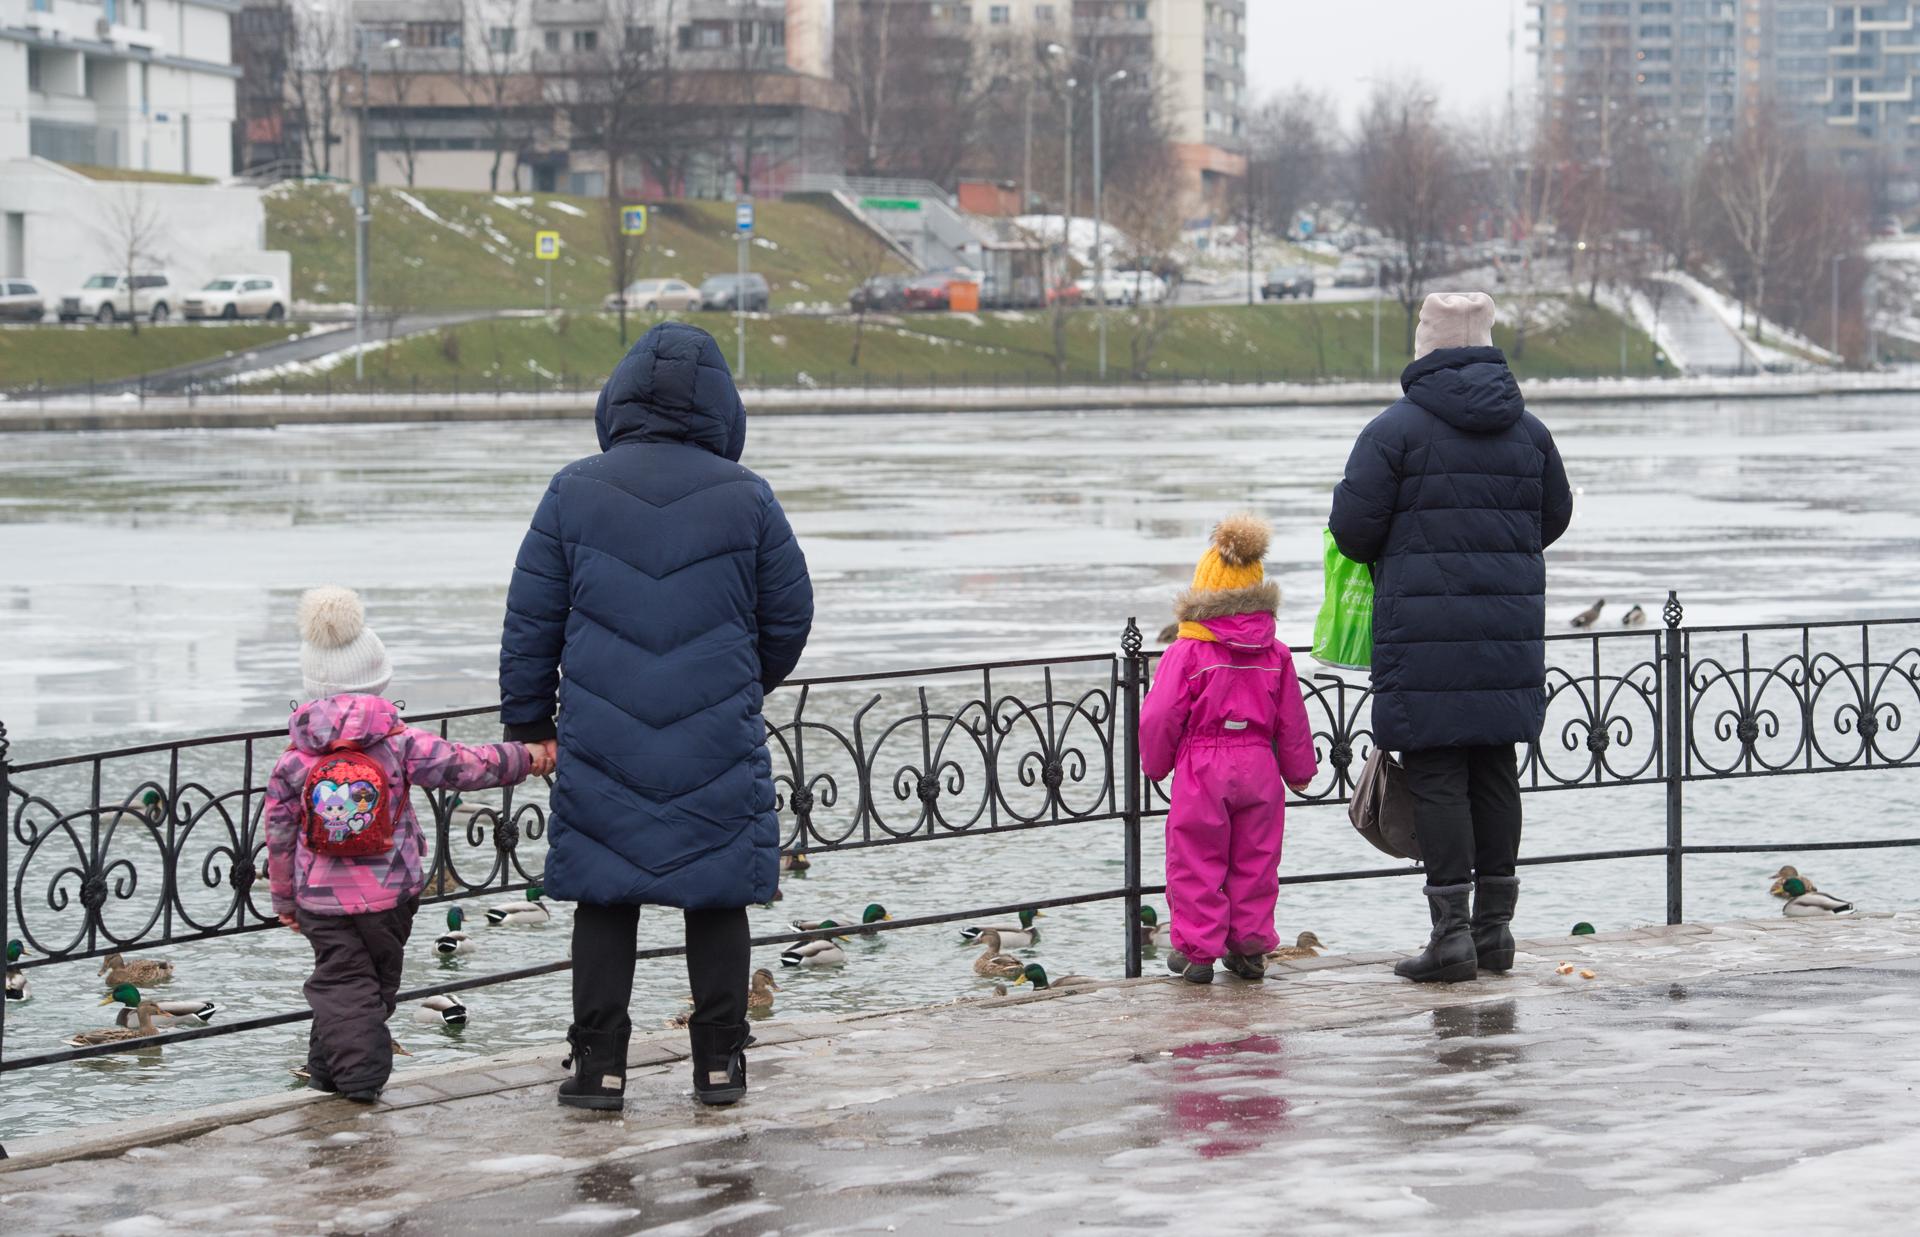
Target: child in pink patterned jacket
{"type": "Point", "coordinates": [355, 900]}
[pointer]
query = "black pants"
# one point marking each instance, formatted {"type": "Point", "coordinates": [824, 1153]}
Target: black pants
{"type": "Point", "coordinates": [1466, 810]}
{"type": "Point", "coordinates": [356, 975]}
{"type": "Point", "coordinates": [718, 957]}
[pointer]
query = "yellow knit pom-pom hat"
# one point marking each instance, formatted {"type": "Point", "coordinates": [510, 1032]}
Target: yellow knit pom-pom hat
{"type": "Point", "coordinates": [1233, 555]}
{"type": "Point", "coordinates": [1229, 578]}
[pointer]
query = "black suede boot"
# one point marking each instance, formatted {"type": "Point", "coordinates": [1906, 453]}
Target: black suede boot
{"type": "Point", "coordinates": [1449, 956]}
{"type": "Point", "coordinates": [1493, 902]}
{"type": "Point", "coordinates": [719, 1062]}
{"type": "Point", "coordinates": [599, 1064]}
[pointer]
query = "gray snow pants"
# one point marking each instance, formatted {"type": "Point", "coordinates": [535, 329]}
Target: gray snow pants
{"type": "Point", "coordinates": [356, 975]}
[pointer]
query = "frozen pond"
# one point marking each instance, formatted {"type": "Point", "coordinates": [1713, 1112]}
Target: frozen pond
{"type": "Point", "coordinates": [148, 582]}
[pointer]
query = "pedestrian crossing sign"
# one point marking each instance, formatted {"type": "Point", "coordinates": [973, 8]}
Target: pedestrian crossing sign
{"type": "Point", "coordinates": [546, 245]}
{"type": "Point", "coordinates": [633, 221]}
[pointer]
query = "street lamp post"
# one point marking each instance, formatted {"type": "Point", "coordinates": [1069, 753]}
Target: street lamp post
{"type": "Point", "coordinates": [1833, 324]}
{"type": "Point", "coordinates": [1100, 80]}
{"type": "Point", "coordinates": [1066, 208]}
{"type": "Point", "coordinates": [362, 215]}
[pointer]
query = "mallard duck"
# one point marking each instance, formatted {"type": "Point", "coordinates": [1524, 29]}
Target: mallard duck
{"type": "Point", "coordinates": [172, 1013]}
{"type": "Point", "coordinates": [1153, 933]}
{"type": "Point", "coordinates": [875, 913]}
{"type": "Point", "coordinates": [1591, 615]}
{"type": "Point", "coordinates": [1789, 873]}
{"type": "Point", "coordinates": [823, 952]}
{"type": "Point", "coordinates": [1035, 974]}
{"type": "Point", "coordinates": [453, 943]}
{"type": "Point", "coordinates": [794, 861]}
{"type": "Point", "coordinates": [531, 911]}
{"type": "Point", "coordinates": [1635, 617]}
{"type": "Point", "coordinates": [139, 972]}
{"type": "Point", "coordinates": [17, 987]}
{"type": "Point", "coordinates": [1804, 903]}
{"type": "Point", "coordinates": [993, 963]}
{"type": "Point", "coordinates": [440, 1011]}
{"type": "Point", "coordinates": [760, 992]}
{"type": "Point", "coordinates": [129, 996]}
{"type": "Point", "coordinates": [1012, 936]}
{"type": "Point", "coordinates": [1306, 945]}
{"type": "Point", "coordinates": [1583, 928]}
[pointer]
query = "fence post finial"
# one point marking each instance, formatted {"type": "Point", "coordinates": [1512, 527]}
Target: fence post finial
{"type": "Point", "coordinates": [1674, 611]}
{"type": "Point", "coordinates": [1131, 641]}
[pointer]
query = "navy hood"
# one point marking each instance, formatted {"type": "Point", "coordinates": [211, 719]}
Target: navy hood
{"type": "Point", "coordinates": [1470, 389]}
{"type": "Point", "coordinates": [673, 386]}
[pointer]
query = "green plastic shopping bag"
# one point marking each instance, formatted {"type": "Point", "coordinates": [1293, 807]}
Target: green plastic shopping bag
{"type": "Point", "coordinates": [1343, 634]}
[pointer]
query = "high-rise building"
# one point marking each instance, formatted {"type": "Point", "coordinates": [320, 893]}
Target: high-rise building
{"type": "Point", "coordinates": [1873, 55]}
{"type": "Point", "coordinates": [145, 84]}
{"type": "Point", "coordinates": [1683, 68]}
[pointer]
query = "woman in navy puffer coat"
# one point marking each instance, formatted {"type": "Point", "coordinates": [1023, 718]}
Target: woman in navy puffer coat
{"type": "Point", "coordinates": [658, 596]}
{"type": "Point", "coordinates": [1452, 495]}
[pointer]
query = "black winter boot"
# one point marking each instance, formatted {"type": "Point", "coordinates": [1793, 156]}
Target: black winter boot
{"type": "Point", "coordinates": [1449, 956]}
{"type": "Point", "coordinates": [1248, 964]}
{"type": "Point", "coordinates": [1493, 901]}
{"type": "Point", "coordinates": [599, 1064]}
{"type": "Point", "coordinates": [719, 1062]}
{"type": "Point", "coordinates": [1178, 964]}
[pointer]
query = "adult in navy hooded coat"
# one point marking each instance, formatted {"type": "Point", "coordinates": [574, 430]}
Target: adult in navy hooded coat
{"type": "Point", "coordinates": [658, 596]}
{"type": "Point", "coordinates": [1452, 495]}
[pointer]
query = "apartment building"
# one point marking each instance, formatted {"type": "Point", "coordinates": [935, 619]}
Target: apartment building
{"type": "Point", "coordinates": [146, 84]}
{"type": "Point", "coordinates": [450, 83]}
{"type": "Point", "coordinates": [1195, 53]}
{"type": "Point", "coordinates": [1873, 52]}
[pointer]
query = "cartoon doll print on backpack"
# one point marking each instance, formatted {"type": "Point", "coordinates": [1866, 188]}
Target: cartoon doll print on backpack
{"type": "Point", "coordinates": [349, 813]}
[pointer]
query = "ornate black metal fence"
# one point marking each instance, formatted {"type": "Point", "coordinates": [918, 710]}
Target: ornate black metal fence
{"type": "Point", "coordinates": [161, 844]}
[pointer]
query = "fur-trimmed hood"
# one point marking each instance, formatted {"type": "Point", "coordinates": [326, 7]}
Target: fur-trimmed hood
{"type": "Point", "coordinates": [1197, 605]}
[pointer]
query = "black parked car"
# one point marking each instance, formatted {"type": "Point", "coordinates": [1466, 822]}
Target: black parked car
{"type": "Point", "coordinates": [1285, 281]}
{"type": "Point", "coordinates": [727, 291]}
{"type": "Point", "coordinates": [882, 292]}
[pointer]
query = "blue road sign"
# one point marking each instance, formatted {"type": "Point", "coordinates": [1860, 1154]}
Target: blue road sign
{"type": "Point", "coordinates": [1306, 227]}
{"type": "Point", "coordinates": [633, 221]}
{"type": "Point", "coordinates": [743, 215]}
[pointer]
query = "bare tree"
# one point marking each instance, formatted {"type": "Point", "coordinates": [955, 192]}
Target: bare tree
{"type": "Point", "coordinates": [494, 79]}
{"type": "Point", "coordinates": [863, 255]}
{"type": "Point", "coordinates": [1520, 182]}
{"type": "Point", "coordinates": [321, 50]}
{"type": "Point", "coordinates": [1409, 184]}
{"type": "Point", "coordinates": [132, 231]}
{"type": "Point", "coordinates": [916, 89]}
{"type": "Point", "coordinates": [1750, 181]}
{"type": "Point", "coordinates": [402, 78]}
{"type": "Point", "coordinates": [617, 100]}
{"type": "Point", "coordinates": [1151, 219]}
{"type": "Point", "coordinates": [1290, 155]}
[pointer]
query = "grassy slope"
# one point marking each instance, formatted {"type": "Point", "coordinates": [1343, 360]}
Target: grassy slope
{"type": "Point", "coordinates": [1223, 343]}
{"type": "Point", "coordinates": [67, 355]}
{"type": "Point", "coordinates": [95, 171]}
{"type": "Point", "coordinates": [482, 254]}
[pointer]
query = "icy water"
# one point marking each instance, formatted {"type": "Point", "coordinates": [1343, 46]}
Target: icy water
{"type": "Point", "coordinates": [148, 584]}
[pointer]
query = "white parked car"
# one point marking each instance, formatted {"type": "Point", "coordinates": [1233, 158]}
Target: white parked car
{"type": "Point", "coordinates": [107, 297]}
{"type": "Point", "coordinates": [1124, 288]}
{"type": "Point", "coordinates": [655, 294]}
{"type": "Point", "coordinates": [237, 296]}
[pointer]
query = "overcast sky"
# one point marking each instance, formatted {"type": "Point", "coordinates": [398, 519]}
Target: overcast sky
{"type": "Point", "coordinates": [1460, 46]}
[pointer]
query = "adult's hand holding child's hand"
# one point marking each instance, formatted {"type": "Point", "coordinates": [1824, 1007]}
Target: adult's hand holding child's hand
{"type": "Point", "coordinates": [543, 756]}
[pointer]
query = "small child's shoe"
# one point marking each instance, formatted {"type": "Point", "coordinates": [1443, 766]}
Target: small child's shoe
{"type": "Point", "coordinates": [363, 1097]}
{"type": "Point", "coordinates": [1178, 964]}
{"type": "Point", "coordinates": [1250, 967]}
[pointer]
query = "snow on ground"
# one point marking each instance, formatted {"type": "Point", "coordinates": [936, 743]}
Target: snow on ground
{"type": "Point", "coordinates": [1729, 312]}
{"type": "Point", "coordinates": [519, 204]}
{"type": "Point", "coordinates": [1080, 234]}
{"type": "Point", "coordinates": [567, 208]}
{"type": "Point", "coordinates": [1638, 308]}
{"type": "Point", "coordinates": [431, 213]}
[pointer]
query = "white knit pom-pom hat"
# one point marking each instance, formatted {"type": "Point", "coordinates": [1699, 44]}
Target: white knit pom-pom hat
{"type": "Point", "coordinates": [339, 655]}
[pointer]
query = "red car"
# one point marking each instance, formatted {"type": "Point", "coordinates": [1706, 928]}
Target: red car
{"type": "Point", "coordinates": [925, 292]}
{"type": "Point", "coordinates": [1065, 294]}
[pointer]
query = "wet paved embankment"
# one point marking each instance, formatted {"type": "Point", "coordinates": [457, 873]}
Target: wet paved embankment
{"type": "Point", "coordinates": [1727, 1078]}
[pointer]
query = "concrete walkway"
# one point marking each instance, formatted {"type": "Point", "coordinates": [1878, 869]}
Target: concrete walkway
{"type": "Point", "coordinates": [1751, 1075]}
{"type": "Point", "coordinates": [267, 410]}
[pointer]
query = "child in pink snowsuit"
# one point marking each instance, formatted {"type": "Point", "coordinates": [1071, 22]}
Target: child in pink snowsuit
{"type": "Point", "coordinates": [1226, 719]}
{"type": "Point", "coordinates": [356, 909]}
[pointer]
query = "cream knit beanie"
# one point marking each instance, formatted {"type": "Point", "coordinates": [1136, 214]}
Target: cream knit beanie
{"type": "Point", "coordinates": [338, 654]}
{"type": "Point", "coordinates": [1454, 320]}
